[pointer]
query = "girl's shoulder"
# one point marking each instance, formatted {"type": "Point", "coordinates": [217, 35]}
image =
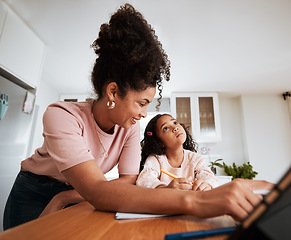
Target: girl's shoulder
{"type": "Point", "coordinates": [152, 162]}
{"type": "Point", "coordinates": [153, 157]}
{"type": "Point", "coordinates": [192, 155]}
{"type": "Point", "coordinates": [157, 158]}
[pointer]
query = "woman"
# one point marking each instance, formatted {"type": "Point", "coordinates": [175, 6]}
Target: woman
{"type": "Point", "coordinates": [82, 141]}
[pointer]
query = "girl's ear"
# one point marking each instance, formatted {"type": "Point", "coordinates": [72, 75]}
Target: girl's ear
{"type": "Point", "coordinates": [111, 90]}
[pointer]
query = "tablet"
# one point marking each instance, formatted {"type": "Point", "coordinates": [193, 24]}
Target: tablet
{"type": "Point", "coordinates": [271, 219]}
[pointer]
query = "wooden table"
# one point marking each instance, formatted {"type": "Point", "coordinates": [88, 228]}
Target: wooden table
{"type": "Point", "coordinates": [82, 222]}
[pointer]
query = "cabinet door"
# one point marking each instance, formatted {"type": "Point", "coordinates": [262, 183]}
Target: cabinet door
{"type": "Point", "coordinates": [181, 109]}
{"type": "Point", "coordinates": [200, 113]}
{"type": "Point", "coordinates": [21, 51]}
{"type": "Point", "coordinates": [208, 118]}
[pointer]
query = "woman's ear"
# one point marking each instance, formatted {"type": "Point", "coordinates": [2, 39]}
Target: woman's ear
{"type": "Point", "coordinates": [111, 90]}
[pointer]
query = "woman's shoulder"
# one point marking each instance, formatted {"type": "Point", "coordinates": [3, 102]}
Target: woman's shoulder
{"type": "Point", "coordinates": [68, 112]}
{"type": "Point", "coordinates": [70, 106]}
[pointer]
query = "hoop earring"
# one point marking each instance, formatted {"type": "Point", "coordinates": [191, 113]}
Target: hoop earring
{"type": "Point", "coordinates": [110, 104]}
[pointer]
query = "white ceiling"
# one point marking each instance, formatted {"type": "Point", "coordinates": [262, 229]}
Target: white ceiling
{"type": "Point", "coordinates": [229, 46]}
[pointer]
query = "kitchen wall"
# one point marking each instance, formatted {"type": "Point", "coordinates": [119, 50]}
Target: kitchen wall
{"type": "Point", "coordinates": [230, 148]}
{"type": "Point", "coordinates": [15, 130]}
{"type": "Point", "coordinates": [267, 134]}
{"type": "Point", "coordinates": [45, 96]}
{"type": "Point", "coordinates": [255, 128]}
{"type": "Point", "coordinates": [15, 133]}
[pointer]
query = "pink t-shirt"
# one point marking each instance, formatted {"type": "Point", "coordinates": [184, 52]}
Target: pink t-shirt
{"type": "Point", "coordinates": [193, 165]}
{"type": "Point", "coordinates": [70, 138]}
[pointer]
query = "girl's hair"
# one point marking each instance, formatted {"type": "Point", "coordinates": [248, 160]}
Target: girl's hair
{"type": "Point", "coordinates": [129, 53]}
{"type": "Point", "coordinates": [151, 144]}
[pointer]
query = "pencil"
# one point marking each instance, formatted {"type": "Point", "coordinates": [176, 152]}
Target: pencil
{"type": "Point", "coordinates": [171, 175]}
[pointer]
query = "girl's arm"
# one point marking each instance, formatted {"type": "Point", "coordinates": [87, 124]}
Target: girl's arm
{"type": "Point", "coordinates": [236, 198]}
{"type": "Point", "coordinates": [149, 176]}
{"type": "Point", "coordinates": [201, 185]}
{"type": "Point", "coordinates": [205, 177]}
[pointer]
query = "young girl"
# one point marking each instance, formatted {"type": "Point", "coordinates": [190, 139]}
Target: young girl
{"type": "Point", "coordinates": [168, 145]}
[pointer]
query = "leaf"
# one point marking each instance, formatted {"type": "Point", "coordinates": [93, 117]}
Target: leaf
{"type": "Point", "coordinates": [215, 163]}
{"type": "Point", "coordinates": [218, 165]}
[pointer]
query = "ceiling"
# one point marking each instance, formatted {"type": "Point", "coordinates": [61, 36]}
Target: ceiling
{"type": "Point", "coordinates": [225, 46]}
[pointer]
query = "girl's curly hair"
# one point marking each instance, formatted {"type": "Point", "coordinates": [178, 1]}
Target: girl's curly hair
{"type": "Point", "coordinates": [129, 53]}
{"type": "Point", "coordinates": [151, 144]}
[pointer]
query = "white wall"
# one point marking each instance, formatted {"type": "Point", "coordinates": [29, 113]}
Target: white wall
{"type": "Point", "coordinates": [230, 148]}
{"type": "Point", "coordinates": [45, 96]}
{"type": "Point", "coordinates": [10, 165]}
{"type": "Point", "coordinates": [15, 130]}
{"type": "Point", "coordinates": [267, 134]}
{"type": "Point", "coordinates": [255, 128]}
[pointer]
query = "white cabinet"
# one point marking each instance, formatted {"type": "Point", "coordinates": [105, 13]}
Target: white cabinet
{"type": "Point", "coordinates": [21, 51]}
{"type": "Point", "coordinates": [200, 113]}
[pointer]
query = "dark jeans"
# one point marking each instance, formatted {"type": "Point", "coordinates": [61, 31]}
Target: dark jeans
{"type": "Point", "coordinates": [29, 196]}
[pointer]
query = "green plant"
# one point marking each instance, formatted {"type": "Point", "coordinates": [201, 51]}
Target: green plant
{"type": "Point", "coordinates": [215, 164]}
{"type": "Point", "coordinates": [244, 171]}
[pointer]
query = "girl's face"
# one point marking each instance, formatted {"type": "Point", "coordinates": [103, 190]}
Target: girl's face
{"type": "Point", "coordinates": [132, 107]}
{"type": "Point", "coordinates": [170, 132]}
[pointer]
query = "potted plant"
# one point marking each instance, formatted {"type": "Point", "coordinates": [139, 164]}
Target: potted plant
{"type": "Point", "coordinates": [214, 164]}
{"type": "Point", "coordinates": [243, 171]}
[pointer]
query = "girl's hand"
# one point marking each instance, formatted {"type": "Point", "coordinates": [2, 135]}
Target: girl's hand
{"type": "Point", "coordinates": [181, 184]}
{"type": "Point", "coordinates": [199, 185]}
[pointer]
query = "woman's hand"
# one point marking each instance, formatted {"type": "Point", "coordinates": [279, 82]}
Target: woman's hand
{"type": "Point", "coordinates": [200, 185]}
{"type": "Point", "coordinates": [235, 198]}
{"type": "Point", "coordinates": [59, 201]}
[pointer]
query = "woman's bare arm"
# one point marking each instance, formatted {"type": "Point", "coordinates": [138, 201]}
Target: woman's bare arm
{"type": "Point", "coordinates": [236, 198]}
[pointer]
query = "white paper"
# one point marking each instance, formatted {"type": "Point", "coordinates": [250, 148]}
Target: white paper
{"type": "Point", "coordinates": [262, 191]}
{"type": "Point", "coordinates": [120, 215]}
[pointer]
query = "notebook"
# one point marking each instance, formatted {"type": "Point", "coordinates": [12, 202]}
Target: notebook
{"type": "Point", "coordinates": [271, 219]}
{"type": "Point", "coordinates": [121, 215]}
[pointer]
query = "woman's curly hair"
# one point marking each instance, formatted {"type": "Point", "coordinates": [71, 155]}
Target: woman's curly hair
{"type": "Point", "coordinates": [151, 144]}
{"type": "Point", "coordinates": [128, 53]}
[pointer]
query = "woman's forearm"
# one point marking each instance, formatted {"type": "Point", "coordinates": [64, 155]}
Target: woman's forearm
{"type": "Point", "coordinates": [116, 196]}
{"type": "Point", "coordinates": [235, 198]}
